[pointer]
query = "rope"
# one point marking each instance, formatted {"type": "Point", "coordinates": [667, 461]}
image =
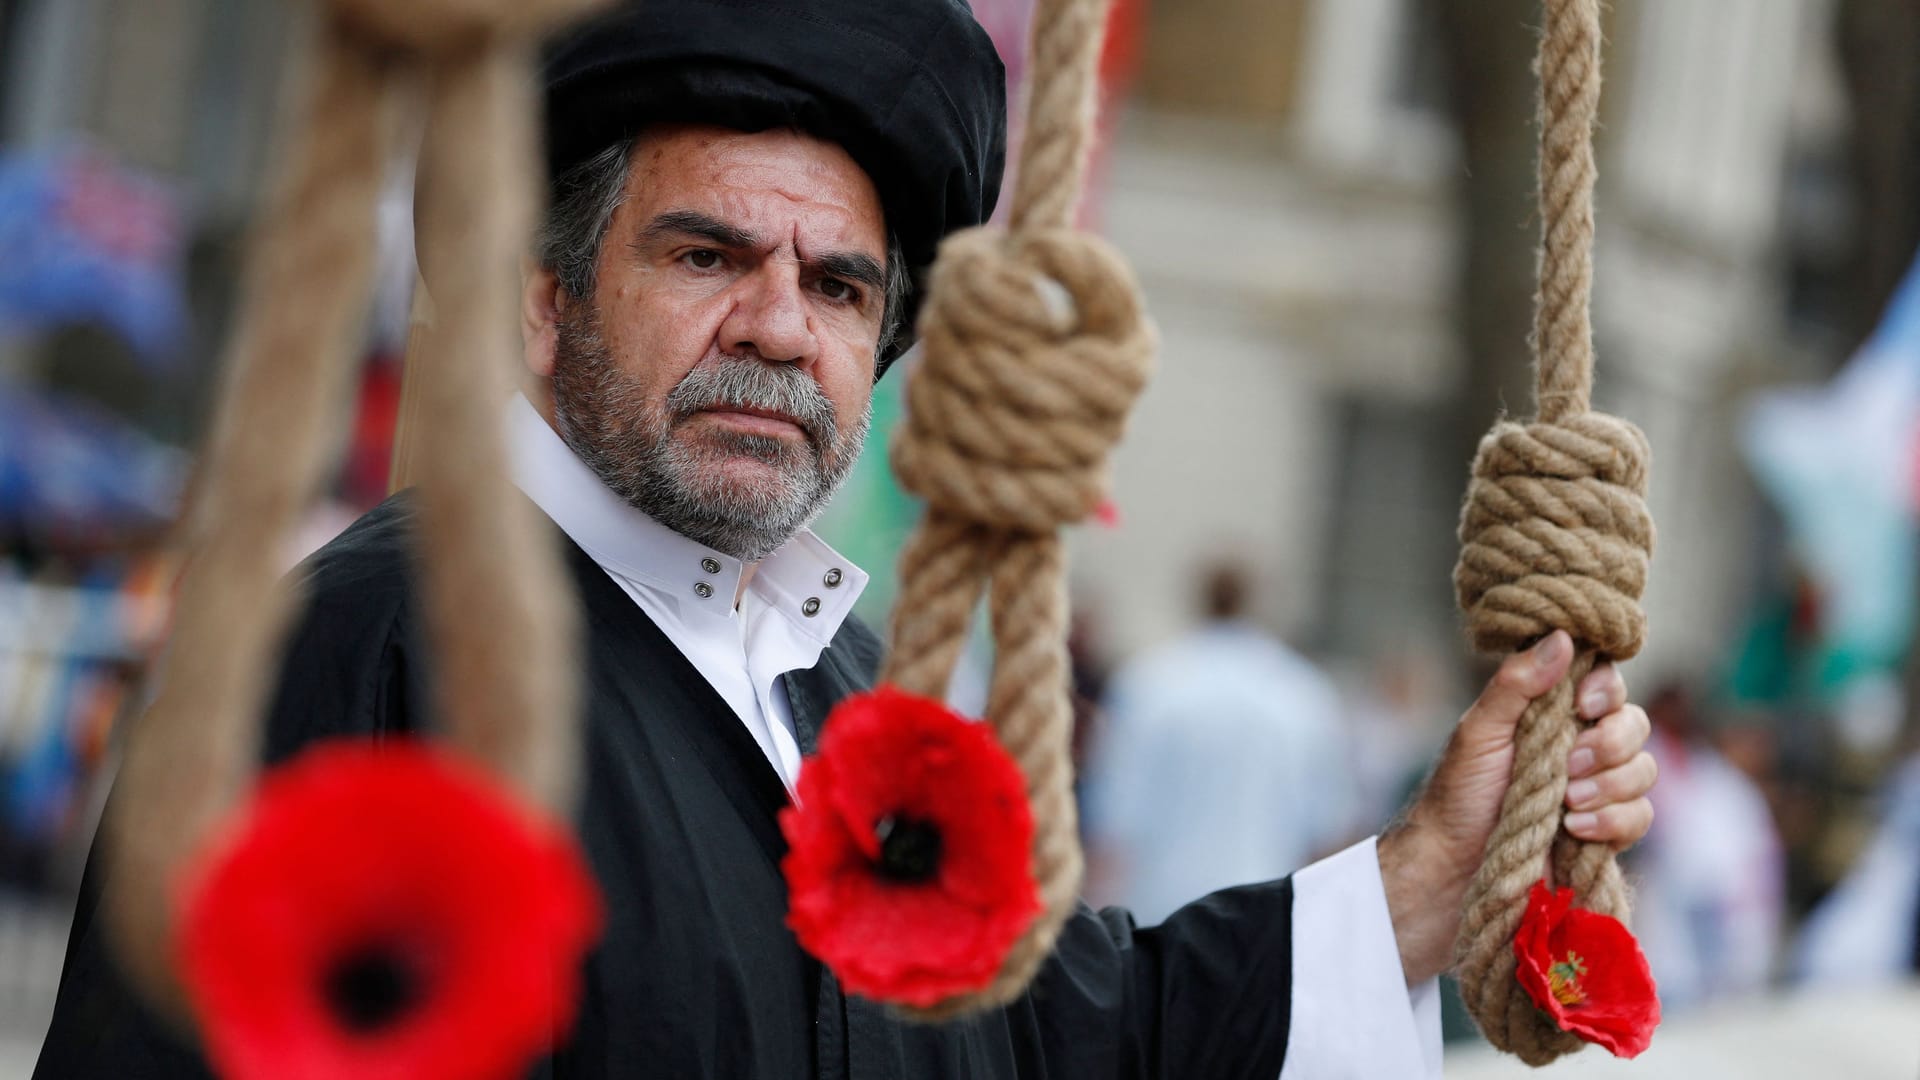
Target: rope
{"type": "Point", "coordinates": [494, 594]}
{"type": "Point", "coordinates": [1035, 346]}
{"type": "Point", "coordinates": [1554, 535]}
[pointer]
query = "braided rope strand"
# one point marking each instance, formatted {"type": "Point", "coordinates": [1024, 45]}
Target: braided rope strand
{"type": "Point", "coordinates": [495, 587]}
{"type": "Point", "coordinates": [1569, 71]}
{"type": "Point", "coordinates": [943, 570]}
{"type": "Point", "coordinates": [1569, 106]}
{"type": "Point", "coordinates": [192, 753]}
{"type": "Point", "coordinates": [1065, 58]}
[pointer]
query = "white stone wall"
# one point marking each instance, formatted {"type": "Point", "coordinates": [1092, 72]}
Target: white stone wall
{"type": "Point", "coordinates": [1278, 293]}
{"type": "Point", "coordinates": [1689, 292]}
{"type": "Point", "coordinates": [1291, 271]}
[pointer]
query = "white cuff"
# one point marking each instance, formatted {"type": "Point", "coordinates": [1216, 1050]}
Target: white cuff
{"type": "Point", "coordinates": [1353, 1015]}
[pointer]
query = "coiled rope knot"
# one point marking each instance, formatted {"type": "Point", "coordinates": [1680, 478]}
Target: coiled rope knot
{"type": "Point", "coordinates": [1021, 397]}
{"type": "Point", "coordinates": [435, 27]}
{"type": "Point", "coordinates": [1555, 534]}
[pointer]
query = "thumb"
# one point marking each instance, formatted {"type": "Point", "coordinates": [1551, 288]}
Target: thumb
{"type": "Point", "coordinates": [1521, 678]}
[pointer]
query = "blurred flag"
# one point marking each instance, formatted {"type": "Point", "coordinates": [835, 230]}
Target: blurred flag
{"type": "Point", "coordinates": [1842, 462]}
{"type": "Point", "coordinates": [88, 241]}
{"type": "Point", "coordinates": [67, 467]}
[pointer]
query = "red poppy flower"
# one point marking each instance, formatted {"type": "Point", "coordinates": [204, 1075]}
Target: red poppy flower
{"type": "Point", "coordinates": [1586, 971]}
{"type": "Point", "coordinates": [909, 871]}
{"type": "Point", "coordinates": [383, 911]}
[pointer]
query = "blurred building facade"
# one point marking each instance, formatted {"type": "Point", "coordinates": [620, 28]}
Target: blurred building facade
{"type": "Point", "coordinates": [185, 90]}
{"type": "Point", "coordinates": [1286, 192]}
{"type": "Point", "coordinates": [181, 92]}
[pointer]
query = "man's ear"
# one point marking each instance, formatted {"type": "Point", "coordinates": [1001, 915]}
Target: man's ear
{"type": "Point", "coordinates": [540, 300]}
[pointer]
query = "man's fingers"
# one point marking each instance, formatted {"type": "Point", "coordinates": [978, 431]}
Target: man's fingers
{"type": "Point", "coordinates": [1601, 692]}
{"type": "Point", "coordinates": [1523, 677]}
{"type": "Point", "coordinates": [1620, 825]}
{"type": "Point", "coordinates": [1613, 741]}
{"type": "Point", "coordinates": [1610, 774]}
{"type": "Point", "coordinates": [1622, 783]}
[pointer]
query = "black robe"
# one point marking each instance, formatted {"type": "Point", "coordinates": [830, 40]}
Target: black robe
{"type": "Point", "coordinates": [697, 975]}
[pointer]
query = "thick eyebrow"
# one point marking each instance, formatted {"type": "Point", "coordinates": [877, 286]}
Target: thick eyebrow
{"type": "Point", "coordinates": [852, 266]}
{"type": "Point", "coordinates": [701, 226]}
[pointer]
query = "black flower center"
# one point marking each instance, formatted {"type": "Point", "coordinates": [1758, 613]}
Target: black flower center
{"type": "Point", "coordinates": [909, 848]}
{"type": "Point", "coordinates": [371, 988]}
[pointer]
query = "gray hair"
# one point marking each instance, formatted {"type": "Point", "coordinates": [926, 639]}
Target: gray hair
{"type": "Point", "coordinates": [584, 199]}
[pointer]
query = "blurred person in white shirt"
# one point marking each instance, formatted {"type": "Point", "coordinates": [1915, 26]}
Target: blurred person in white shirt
{"type": "Point", "coordinates": [1712, 874]}
{"type": "Point", "coordinates": [1221, 762]}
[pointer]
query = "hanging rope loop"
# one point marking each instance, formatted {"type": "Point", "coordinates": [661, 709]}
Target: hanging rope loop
{"type": "Point", "coordinates": [1035, 348]}
{"type": "Point", "coordinates": [499, 613]}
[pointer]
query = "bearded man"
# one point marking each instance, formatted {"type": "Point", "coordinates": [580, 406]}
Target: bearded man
{"type": "Point", "coordinates": [744, 192]}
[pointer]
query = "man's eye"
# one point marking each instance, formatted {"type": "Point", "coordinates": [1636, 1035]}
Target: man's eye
{"type": "Point", "coordinates": [702, 259]}
{"type": "Point", "coordinates": [835, 289]}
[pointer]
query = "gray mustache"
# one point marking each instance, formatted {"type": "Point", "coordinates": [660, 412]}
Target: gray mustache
{"type": "Point", "coordinates": [741, 382]}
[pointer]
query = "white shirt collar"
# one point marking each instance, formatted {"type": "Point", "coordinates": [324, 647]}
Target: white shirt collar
{"type": "Point", "coordinates": [806, 581]}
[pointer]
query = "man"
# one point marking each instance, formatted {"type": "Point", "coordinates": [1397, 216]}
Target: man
{"type": "Point", "coordinates": [742, 189]}
{"type": "Point", "coordinates": [1221, 761]}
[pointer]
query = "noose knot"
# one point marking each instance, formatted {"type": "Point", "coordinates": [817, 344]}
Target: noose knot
{"type": "Point", "coordinates": [438, 26]}
{"type": "Point", "coordinates": [1035, 348]}
{"type": "Point", "coordinates": [1555, 535]}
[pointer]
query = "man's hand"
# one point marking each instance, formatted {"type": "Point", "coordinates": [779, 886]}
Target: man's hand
{"type": "Point", "coordinates": [1427, 859]}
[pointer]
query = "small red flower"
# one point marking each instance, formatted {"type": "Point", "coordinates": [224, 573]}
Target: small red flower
{"type": "Point", "coordinates": [1586, 971]}
{"type": "Point", "coordinates": [909, 872]}
{"type": "Point", "coordinates": [383, 911]}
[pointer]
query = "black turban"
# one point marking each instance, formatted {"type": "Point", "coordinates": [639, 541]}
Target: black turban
{"type": "Point", "coordinates": [912, 89]}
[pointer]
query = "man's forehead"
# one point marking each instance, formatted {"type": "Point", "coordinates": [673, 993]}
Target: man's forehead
{"type": "Point", "coordinates": [777, 181]}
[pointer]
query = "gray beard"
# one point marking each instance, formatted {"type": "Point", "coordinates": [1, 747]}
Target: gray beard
{"type": "Point", "coordinates": [638, 449]}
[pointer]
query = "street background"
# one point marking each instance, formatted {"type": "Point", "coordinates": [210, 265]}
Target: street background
{"type": "Point", "coordinates": [1329, 204]}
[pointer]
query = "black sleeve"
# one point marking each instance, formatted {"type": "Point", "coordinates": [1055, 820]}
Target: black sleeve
{"type": "Point", "coordinates": [1204, 995]}
{"type": "Point", "coordinates": [99, 1027]}
{"type": "Point", "coordinates": [350, 668]}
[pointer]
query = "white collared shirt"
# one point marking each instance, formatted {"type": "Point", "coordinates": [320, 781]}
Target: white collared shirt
{"type": "Point", "coordinates": [792, 606]}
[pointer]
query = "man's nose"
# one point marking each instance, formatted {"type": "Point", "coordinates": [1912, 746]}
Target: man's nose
{"type": "Point", "coordinates": [771, 316]}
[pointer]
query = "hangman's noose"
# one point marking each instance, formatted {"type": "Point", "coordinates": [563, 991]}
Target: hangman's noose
{"type": "Point", "coordinates": [1555, 535]}
{"type": "Point", "coordinates": [1034, 349]}
{"type": "Point", "coordinates": [496, 596]}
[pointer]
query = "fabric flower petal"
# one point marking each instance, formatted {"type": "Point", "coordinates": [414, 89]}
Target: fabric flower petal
{"type": "Point", "coordinates": [889, 758]}
{"type": "Point", "coordinates": [1586, 971]}
{"type": "Point", "coordinates": [382, 910]}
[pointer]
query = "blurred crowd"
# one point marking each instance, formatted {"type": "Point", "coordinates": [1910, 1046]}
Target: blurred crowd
{"type": "Point", "coordinates": [1786, 850]}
